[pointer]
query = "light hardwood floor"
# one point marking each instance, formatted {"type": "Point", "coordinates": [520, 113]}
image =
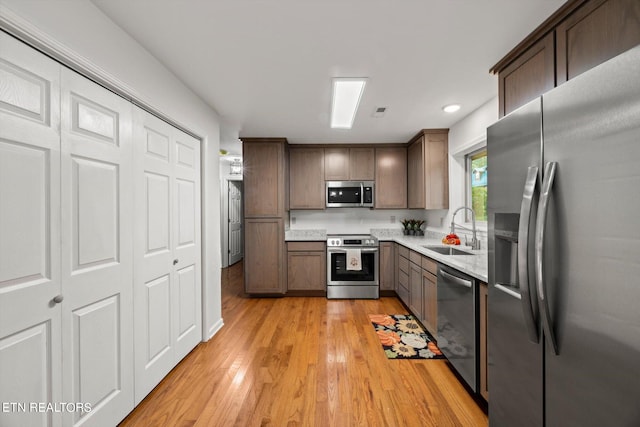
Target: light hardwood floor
{"type": "Point", "coordinates": [300, 361]}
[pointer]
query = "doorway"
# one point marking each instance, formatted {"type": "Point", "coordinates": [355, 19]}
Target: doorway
{"type": "Point", "coordinates": [235, 237]}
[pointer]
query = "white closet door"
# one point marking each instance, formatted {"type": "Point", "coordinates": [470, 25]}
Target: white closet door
{"type": "Point", "coordinates": [167, 284]}
{"type": "Point", "coordinates": [97, 251]}
{"type": "Point", "coordinates": [30, 362]}
{"type": "Point", "coordinates": [153, 255]}
{"type": "Point", "coordinates": [187, 292]}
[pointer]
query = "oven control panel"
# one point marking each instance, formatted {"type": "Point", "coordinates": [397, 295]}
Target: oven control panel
{"type": "Point", "coordinates": [353, 241]}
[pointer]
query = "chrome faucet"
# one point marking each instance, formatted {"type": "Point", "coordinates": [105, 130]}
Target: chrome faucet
{"type": "Point", "coordinates": [475, 243]}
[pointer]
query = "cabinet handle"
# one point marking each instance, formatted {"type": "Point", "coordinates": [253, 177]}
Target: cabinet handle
{"type": "Point", "coordinates": [175, 261]}
{"type": "Point", "coordinates": [58, 299]}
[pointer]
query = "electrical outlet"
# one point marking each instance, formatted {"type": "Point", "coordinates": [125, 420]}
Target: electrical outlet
{"type": "Point", "coordinates": [393, 219]}
{"type": "Point", "coordinates": [293, 220]}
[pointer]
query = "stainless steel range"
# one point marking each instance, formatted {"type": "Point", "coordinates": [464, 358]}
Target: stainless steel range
{"type": "Point", "coordinates": [352, 267]}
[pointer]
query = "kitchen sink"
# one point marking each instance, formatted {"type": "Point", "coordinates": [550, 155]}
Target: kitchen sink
{"type": "Point", "coordinates": [446, 251]}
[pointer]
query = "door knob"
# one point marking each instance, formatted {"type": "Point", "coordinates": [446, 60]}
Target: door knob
{"type": "Point", "coordinates": [58, 299]}
{"type": "Point", "coordinates": [175, 261]}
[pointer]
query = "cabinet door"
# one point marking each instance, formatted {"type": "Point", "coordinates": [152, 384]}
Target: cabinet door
{"type": "Point", "coordinates": [403, 277]}
{"type": "Point", "coordinates": [97, 251]}
{"type": "Point", "coordinates": [437, 171]}
{"type": "Point", "coordinates": [391, 178]}
{"type": "Point", "coordinates": [362, 164]}
{"type": "Point", "coordinates": [430, 302]}
{"type": "Point", "coordinates": [263, 245]}
{"type": "Point", "coordinates": [415, 175]}
{"type": "Point", "coordinates": [484, 367]}
{"type": "Point", "coordinates": [596, 32]}
{"type": "Point", "coordinates": [307, 271]}
{"type": "Point", "coordinates": [528, 77]}
{"type": "Point", "coordinates": [387, 266]}
{"type": "Point", "coordinates": [336, 164]}
{"type": "Point", "coordinates": [396, 266]}
{"type": "Point", "coordinates": [264, 184]}
{"type": "Point", "coordinates": [415, 290]}
{"type": "Point", "coordinates": [30, 328]}
{"type": "Point", "coordinates": [306, 178]}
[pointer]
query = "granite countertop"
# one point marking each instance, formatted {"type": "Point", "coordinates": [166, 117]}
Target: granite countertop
{"type": "Point", "coordinates": [474, 265]}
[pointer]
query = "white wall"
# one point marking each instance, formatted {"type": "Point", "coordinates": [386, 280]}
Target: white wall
{"type": "Point", "coordinates": [466, 136]}
{"type": "Point", "coordinates": [80, 27]}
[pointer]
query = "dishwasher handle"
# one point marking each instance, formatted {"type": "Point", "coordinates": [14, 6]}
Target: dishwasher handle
{"type": "Point", "coordinates": [455, 279]}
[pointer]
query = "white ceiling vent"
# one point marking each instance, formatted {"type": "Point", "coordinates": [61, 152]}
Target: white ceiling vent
{"type": "Point", "coordinates": [379, 112]}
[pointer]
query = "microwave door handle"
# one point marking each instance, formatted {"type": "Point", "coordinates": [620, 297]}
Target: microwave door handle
{"type": "Point", "coordinates": [541, 220]}
{"type": "Point", "coordinates": [530, 187]}
{"type": "Point", "coordinates": [361, 194]}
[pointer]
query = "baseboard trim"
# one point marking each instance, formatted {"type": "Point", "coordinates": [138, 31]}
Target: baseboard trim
{"type": "Point", "coordinates": [214, 329]}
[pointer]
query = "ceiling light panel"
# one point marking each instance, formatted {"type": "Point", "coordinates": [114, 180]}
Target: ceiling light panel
{"type": "Point", "coordinates": [347, 93]}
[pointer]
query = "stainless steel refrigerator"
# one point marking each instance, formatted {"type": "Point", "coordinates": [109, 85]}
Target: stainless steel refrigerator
{"type": "Point", "coordinates": [564, 254]}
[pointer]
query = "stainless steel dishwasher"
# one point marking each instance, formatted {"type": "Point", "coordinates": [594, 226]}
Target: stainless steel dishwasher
{"type": "Point", "coordinates": [457, 332]}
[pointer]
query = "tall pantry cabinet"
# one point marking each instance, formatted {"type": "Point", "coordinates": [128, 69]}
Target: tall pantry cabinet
{"type": "Point", "coordinates": [265, 165]}
{"type": "Point", "coordinates": [73, 239]}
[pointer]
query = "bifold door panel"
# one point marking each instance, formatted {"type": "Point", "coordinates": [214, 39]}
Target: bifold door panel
{"type": "Point", "coordinates": [97, 250]}
{"type": "Point", "coordinates": [30, 323]}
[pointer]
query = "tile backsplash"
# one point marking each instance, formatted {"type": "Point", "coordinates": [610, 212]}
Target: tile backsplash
{"type": "Point", "coordinates": [351, 220]}
{"type": "Point", "coordinates": [365, 221]}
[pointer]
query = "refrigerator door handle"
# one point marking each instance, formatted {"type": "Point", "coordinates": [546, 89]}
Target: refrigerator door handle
{"type": "Point", "coordinates": [547, 185]}
{"type": "Point", "coordinates": [530, 318]}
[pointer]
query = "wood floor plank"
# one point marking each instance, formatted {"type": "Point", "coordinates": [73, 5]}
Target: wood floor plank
{"type": "Point", "coordinates": [301, 361]}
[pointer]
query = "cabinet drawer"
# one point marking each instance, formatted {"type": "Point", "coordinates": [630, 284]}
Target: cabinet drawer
{"type": "Point", "coordinates": [403, 251]}
{"type": "Point", "coordinates": [403, 264]}
{"type": "Point", "coordinates": [305, 246]}
{"type": "Point", "coordinates": [430, 265]}
{"type": "Point", "coordinates": [403, 280]}
{"type": "Point", "coordinates": [415, 257]}
{"type": "Point", "coordinates": [403, 294]}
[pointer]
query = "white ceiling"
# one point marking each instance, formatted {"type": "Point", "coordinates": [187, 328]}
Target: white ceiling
{"type": "Point", "coordinates": [266, 65]}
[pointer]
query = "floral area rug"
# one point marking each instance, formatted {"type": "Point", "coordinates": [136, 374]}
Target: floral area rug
{"type": "Point", "coordinates": [402, 337]}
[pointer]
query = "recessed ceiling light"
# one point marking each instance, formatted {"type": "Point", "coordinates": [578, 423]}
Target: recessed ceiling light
{"type": "Point", "coordinates": [451, 108]}
{"type": "Point", "coordinates": [346, 98]}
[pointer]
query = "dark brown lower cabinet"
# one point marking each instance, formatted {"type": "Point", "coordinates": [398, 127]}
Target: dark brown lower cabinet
{"type": "Point", "coordinates": [265, 263]}
{"type": "Point", "coordinates": [306, 266]}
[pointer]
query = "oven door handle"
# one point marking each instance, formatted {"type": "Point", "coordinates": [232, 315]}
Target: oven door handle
{"type": "Point", "coordinates": [344, 250]}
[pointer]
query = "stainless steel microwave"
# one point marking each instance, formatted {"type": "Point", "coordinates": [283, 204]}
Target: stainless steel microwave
{"type": "Point", "coordinates": [349, 194]}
